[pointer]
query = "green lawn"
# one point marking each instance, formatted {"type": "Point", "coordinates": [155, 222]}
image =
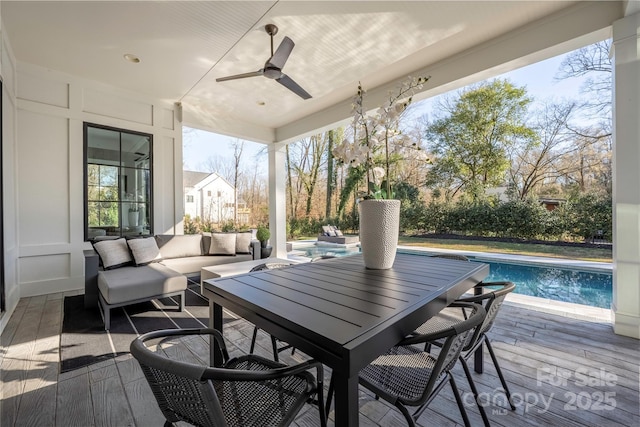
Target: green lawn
{"type": "Point", "coordinates": [567, 252]}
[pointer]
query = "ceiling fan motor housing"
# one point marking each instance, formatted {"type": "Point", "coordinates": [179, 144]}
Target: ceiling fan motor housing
{"type": "Point", "coordinates": [271, 29]}
{"type": "Point", "coordinates": [272, 72]}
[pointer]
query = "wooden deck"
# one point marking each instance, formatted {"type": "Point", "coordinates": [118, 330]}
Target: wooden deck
{"type": "Point", "coordinates": [562, 371]}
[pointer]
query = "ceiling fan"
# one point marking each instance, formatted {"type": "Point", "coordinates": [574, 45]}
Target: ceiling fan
{"type": "Point", "coordinates": [273, 67]}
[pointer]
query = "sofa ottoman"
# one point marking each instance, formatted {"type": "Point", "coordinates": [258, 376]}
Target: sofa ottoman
{"type": "Point", "coordinates": [131, 285]}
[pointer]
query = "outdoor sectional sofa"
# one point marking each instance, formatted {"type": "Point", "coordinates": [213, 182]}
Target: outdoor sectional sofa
{"type": "Point", "coordinates": [121, 271]}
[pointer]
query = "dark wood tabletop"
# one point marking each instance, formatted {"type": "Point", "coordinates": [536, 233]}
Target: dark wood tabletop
{"type": "Point", "coordinates": [341, 313]}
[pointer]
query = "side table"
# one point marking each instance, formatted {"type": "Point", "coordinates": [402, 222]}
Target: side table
{"type": "Point", "coordinates": [91, 262]}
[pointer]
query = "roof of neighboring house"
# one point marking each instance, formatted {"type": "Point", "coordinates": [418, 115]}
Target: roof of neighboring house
{"type": "Point", "coordinates": [191, 178]}
{"type": "Point", "coordinates": [198, 180]}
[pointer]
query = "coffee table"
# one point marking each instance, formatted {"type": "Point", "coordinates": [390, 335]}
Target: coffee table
{"type": "Point", "coordinates": [231, 269]}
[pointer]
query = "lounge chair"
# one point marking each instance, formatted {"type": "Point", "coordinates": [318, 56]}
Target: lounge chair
{"type": "Point", "coordinates": [331, 234]}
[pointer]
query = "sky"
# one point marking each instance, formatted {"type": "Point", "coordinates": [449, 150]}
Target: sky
{"type": "Point", "coordinates": [539, 80]}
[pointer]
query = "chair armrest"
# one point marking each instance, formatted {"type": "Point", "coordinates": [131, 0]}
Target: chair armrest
{"type": "Point", "coordinates": [463, 325]}
{"type": "Point", "coordinates": [505, 288]}
{"type": "Point", "coordinates": [146, 356]}
{"type": "Point", "coordinates": [279, 371]}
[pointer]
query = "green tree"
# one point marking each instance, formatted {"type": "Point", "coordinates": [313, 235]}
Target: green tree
{"type": "Point", "coordinates": [354, 176]}
{"type": "Point", "coordinates": [331, 176]}
{"type": "Point", "coordinates": [549, 158]}
{"type": "Point", "coordinates": [238, 146]}
{"type": "Point", "coordinates": [471, 139]}
{"type": "Point", "coordinates": [596, 62]}
{"type": "Point", "coordinates": [590, 215]}
{"type": "Point", "coordinates": [595, 131]}
{"type": "Point", "coordinates": [316, 150]}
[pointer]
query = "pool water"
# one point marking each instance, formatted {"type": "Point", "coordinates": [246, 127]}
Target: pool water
{"type": "Point", "coordinates": [559, 284]}
{"type": "Point", "coordinates": [593, 288]}
{"type": "Point", "coordinates": [314, 251]}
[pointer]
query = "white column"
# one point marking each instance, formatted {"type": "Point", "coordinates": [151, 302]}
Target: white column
{"type": "Point", "coordinates": [626, 181]}
{"type": "Point", "coordinates": [277, 200]}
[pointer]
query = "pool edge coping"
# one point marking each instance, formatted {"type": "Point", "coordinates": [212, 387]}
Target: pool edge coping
{"type": "Point", "coordinates": [521, 259]}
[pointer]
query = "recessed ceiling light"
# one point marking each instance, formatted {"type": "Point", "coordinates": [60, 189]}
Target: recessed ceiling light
{"type": "Point", "coordinates": [131, 58]}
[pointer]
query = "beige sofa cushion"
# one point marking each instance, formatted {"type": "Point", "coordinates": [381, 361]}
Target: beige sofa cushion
{"type": "Point", "coordinates": [191, 266]}
{"type": "Point", "coordinates": [179, 245]}
{"type": "Point", "coordinates": [134, 283]}
{"type": "Point", "coordinates": [243, 243]}
{"type": "Point", "coordinates": [223, 244]}
{"type": "Point", "coordinates": [113, 253]}
{"type": "Point", "coordinates": [144, 250]}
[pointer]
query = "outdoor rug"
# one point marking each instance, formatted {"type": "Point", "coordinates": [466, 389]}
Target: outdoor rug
{"type": "Point", "coordinates": [84, 341]}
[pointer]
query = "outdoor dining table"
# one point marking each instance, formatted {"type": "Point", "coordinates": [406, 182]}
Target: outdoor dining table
{"type": "Point", "coordinates": [341, 313]}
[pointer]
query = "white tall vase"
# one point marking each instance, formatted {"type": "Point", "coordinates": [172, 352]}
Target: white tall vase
{"type": "Point", "coordinates": [133, 218]}
{"type": "Point", "coordinates": [142, 219]}
{"type": "Point", "coordinates": [379, 229]}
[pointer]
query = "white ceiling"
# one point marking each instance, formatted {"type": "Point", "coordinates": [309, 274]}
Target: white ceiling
{"type": "Point", "coordinates": [184, 46]}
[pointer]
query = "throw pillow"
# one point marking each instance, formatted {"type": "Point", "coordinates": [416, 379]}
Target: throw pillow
{"type": "Point", "coordinates": [326, 230]}
{"type": "Point", "coordinates": [339, 233]}
{"type": "Point", "coordinates": [144, 251]}
{"type": "Point", "coordinates": [113, 253]}
{"type": "Point", "coordinates": [179, 245]}
{"type": "Point", "coordinates": [223, 244]}
{"type": "Point", "coordinates": [243, 243]}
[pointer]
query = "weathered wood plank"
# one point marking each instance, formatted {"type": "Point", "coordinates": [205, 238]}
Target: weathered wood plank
{"type": "Point", "coordinates": [128, 369]}
{"type": "Point", "coordinates": [110, 404]}
{"type": "Point", "coordinates": [38, 402]}
{"type": "Point", "coordinates": [533, 349]}
{"type": "Point", "coordinates": [143, 405]}
{"type": "Point", "coordinates": [75, 407]}
{"type": "Point", "coordinates": [17, 359]}
{"type": "Point", "coordinates": [561, 383]}
{"type": "Point", "coordinates": [11, 328]}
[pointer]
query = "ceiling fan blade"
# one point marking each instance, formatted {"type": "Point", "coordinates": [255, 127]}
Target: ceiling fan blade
{"type": "Point", "coordinates": [288, 82]}
{"type": "Point", "coordinates": [241, 76]}
{"type": "Point", "coordinates": [282, 53]}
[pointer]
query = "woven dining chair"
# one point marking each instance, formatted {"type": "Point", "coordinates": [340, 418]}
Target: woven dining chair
{"type": "Point", "coordinates": [491, 297]}
{"type": "Point", "coordinates": [246, 391]}
{"type": "Point", "coordinates": [274, 341]}
{"type": "Point", "coordinates": [407, 376]}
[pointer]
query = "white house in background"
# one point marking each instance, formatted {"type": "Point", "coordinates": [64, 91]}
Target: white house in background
{"type": "Point", "coordinates": [210, 197]}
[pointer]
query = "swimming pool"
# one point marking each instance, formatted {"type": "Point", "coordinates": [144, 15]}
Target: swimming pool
{"type": "Point", "coordinates": [593, 288]}
{"type": "Point", "coordinates": [313, 251]}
